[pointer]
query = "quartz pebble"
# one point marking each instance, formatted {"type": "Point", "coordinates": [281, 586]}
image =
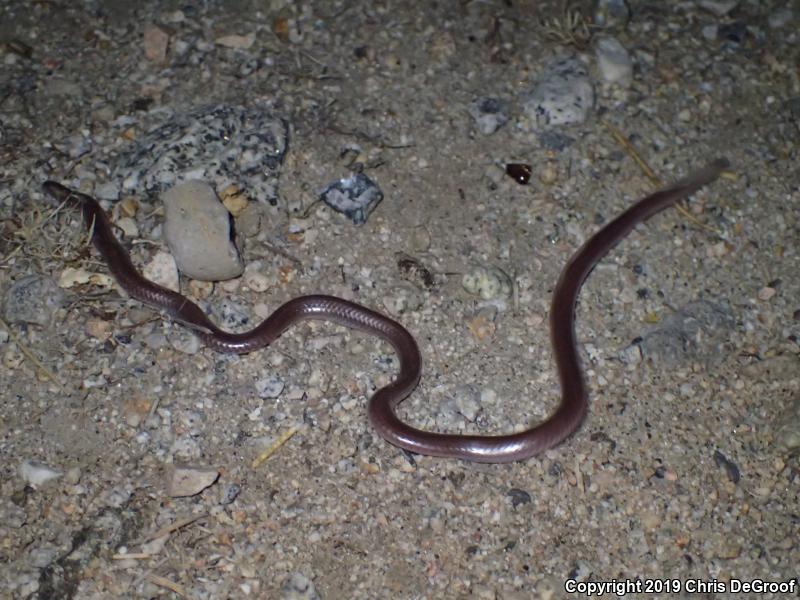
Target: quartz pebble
{"type": "Point", "coordinates": [563, 95]}
{"type": "Point", "coordinates": [298, 587]}
{"type": "Point", "coordinates": [162, 270]}
{"type": "Point", "coordinates": [36, 473]}
{"type": "Point", "coordinates": [197, 229]}
{"type": "Point", "coordinates": [614, 62]}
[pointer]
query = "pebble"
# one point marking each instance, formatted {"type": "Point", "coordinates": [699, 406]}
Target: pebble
{"type": "Point", "coordinates": [355, 197]}
{"type": "Point", "coordinates": [99, 329]}
{"type": "Point", "coordinates": [106, 191]}
{"type": "Point", "coordinates": [32, 299]}
{"type": "Point", "coordinates": [563, 95]}
{"type": "Point", "coordinates": [788, 427]}
{"type": "Point", "coordinates": [36, 473]}
{"type": "Point", "coordinates": [780, 18]}
{"type": "Point", "coordinates": [611, 13]}
{"type": "Point", "coordinates": [43, 555]}
{"type": "Point", "coordinates": [255, 280]}
{"type": "Point", "coordinates": [298, 587]}
{"type": "Point", "coordinates": [128, 227]}
{"type": "Point", "coordinates": [719, 9]}
{"type": "Point", "coordinates": [488, 282]}
{"type": "Point", "coordinates": [197, 229]}
{"type": "Point", "coordinates": [489, 114]}
{"type": "Point", "coordinates": [518, 497]}
{"type": "Point", "coordinates": [403, 299]}
{"type": "Point", "coordinates": [236, 41]}
{"type": "Point", "coordinates": [221, 144]}
{"type": "Point", "coordinates": [185, 341]}
{"type": "Point", "coordinates": [766, 293]}
{"type": "Point", "coordinates": [235, 200]}
{"type": "Point", "coordinates": [188, 481]}
{"type": "Point", "coordinates": [163, 270]}
{"type": "Point", "coordinates": [269, 387]}
{"type": "Point", "coordinates": [75, 146]}
{"type": "Point", "coordinates": [467, 400]}
{"type": "Point", "coordinates": [614, 61]}
{"type": "Point", "coordinates": [155, 41]}
{"type": "Point", "coordinates": [12, 516]}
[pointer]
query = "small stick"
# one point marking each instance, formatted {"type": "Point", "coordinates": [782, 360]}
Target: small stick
{"type": "Point", "coordinates": [31, 356]}
{"type": "Point", "coordinates": [650, 174]}
{"type": "Point", "coordinates": [168, 529]}
{"type": "Point", "coordinates": [274, 447]}
{"type": "Point", "coordinates": [166, 583]}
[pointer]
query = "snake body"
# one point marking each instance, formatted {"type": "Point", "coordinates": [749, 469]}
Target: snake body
{"type": "Point", "coordinates": [382, 405]}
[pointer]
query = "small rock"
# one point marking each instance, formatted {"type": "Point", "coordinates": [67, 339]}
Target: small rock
{"type": "Point", "coordinates": [269, 387]}
{"type": "Point", "coordinates": [188, 481]}
{"type": "Point", "coordinates": [518, 497]}
{"type": "Point", "coordinates": [234, 199]}
{"type": "Point", "coordinates": [490, 114]}
{"type": "Point", "coordinates": [564, 94]}
{"type": "Point", "coordinates": [32, 299]}
{"type": "Point", "coordinates": [254, 279]}
{"type": "Point", "coordinates": [36, 473]}
{"type": "Point", "coordinates": [487, 282]}
{"type": "Point", "coordinates": [75, 146]}
{"type": "Point", "coordinates": [197, 229]}
{"type": "Point", "coordinates": [403, 299]}
{"type": "Point", "coordinates": [230, 493]}
{"type": "Point", "coordinates": [236, 41]}
{"type": "Point", "coordinates": [614, 62]}
{"type": "Point", "coordinates": [128, 227]}
{"type": "Point", "coordinates": [107, 191]}
{"type": "Point", "coordinates": [611, 13]}
{"type": "Point", "coordinates": [99, 329]}
{"type": "Point", "coordinates": [467, 401]}
{"type": "Point", "coordinates": [12, 516]}
{"type": "Point", "coordinates": [43, 556]}
{"type": "Point", "coordinates": [766, 293]}
{"type": "Point", "coordinates": [163, 270]}
{"type": "Point", "coordinates": [719, 9]}
{"type": "Point", "coordinates": [156, 41]}
{"type": "Point", "coordinates": [355, 197]}
{"type": "Point", "coordinates": [298, 587]}
{"type": "Point", "coordinates": [780, 18]}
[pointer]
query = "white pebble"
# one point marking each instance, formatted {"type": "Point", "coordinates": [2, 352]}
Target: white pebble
{"type": "Point", "coordinates": [35, 473]}
{"type": "Point", "coordinates": [614, 62]}
{"type": "Point", "coordinates": [162, 270]}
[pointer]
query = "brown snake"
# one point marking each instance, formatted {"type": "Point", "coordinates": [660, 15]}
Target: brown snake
{"type": "Point", "coordinates": [381, 409]}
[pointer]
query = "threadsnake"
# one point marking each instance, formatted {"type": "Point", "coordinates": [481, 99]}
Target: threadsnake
{"type": "Point", "coordinates": [381, 408]}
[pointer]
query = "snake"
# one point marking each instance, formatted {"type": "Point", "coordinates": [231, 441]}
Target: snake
{"type": "Point", "coordinates": [382, 405]}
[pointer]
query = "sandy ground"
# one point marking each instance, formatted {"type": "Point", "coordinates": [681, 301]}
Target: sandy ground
{"type": "Point", "coordinates": [686, 468]}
